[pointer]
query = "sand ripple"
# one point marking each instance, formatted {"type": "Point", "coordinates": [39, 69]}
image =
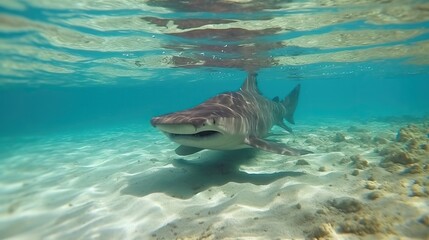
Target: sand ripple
{"type": "Point", "coordinates": [122, 184]}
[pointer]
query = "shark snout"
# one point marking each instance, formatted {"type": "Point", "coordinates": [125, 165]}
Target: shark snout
{"type": "Point", "coordinates": [197, 122]}
{"type": "Point", "coordinates": [177, 128]}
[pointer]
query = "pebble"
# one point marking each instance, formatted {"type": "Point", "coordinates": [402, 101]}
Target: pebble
{"type": "Point", "coordinates": [374, 195]}
{"type": "Point", "coordinates": [371, 185]}
{"type": "Point", "coordinates": [355, 172]}
{"type": "Point", "coordinates": [322, 169]}
{"type": "Point", "coordinates": [302, 162]}
{"type": "Point", "coordinates": [425, 220]}
{"type": "Point", "coordinates": [321, 211]}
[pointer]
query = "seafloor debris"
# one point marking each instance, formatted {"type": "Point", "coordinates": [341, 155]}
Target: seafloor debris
{"type": "Point", "coordinates": [355, 172]}
{"type": "Point", "coordinates": [346, 204]}
{"type": "Point", "coordinates": [339, 137]}
{"type": "Point", "coordinates": [371, 185]}
{"type": "Point", "coordinates": [419, 191]}
{"type": "Point", "coordinates": [408, 133]}
{"type": "Point", "coordinates": [425, 220]}
{"type": "Point", "coordinates": [323, 231]}
{"type": "Point", "coordinates": [401, 157]}
{"type": "Point", "coordinates": [367, 225]}
{"type": "Point", "coordinates": [302, 162]}
{"type": "Point", "coordinates": [374, 195]}
{"type": "Point", "coordinates": [414, 169]}
{"type": "Point", "coordinates": [409, 153]}
{"type": "Point", "coordinates": [359, 162]}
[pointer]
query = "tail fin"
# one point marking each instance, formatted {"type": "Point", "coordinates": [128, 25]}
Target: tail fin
{"type": "Point", "coordinates": [290, 103]}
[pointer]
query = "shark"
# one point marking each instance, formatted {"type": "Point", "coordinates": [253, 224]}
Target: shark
{"type": "Point", "coordinates": [232, 120]}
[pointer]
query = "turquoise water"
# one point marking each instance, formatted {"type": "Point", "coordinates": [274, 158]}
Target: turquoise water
{"type": "Point", "coordinates": [83, 63]}
{"type": "Point", "coordinates": [80, 81]}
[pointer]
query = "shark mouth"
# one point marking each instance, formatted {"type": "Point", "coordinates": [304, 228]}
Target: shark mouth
{"type": "Point", "coordinates": [185, 130]}
{"type": "Point", "coordinates": [202, 134]}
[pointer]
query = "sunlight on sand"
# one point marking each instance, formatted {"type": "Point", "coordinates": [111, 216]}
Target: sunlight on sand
{"type": "Point", "coordinates": [128, 183]}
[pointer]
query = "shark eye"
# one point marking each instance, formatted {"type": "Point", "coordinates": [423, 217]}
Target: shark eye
{"type": "Point", "coordinates": [214, 121]}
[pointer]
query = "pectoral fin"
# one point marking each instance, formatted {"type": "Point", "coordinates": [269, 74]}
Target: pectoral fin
{"type": "Point", "coordinates": [185, 150]}
{"type": "Point", "coordinates": [278, 148]}
{"type": "Point", "coordinates": [285, 127]}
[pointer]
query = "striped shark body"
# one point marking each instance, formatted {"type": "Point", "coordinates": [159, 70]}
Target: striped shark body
{"type": "Point", "coordinates": [231, 120]}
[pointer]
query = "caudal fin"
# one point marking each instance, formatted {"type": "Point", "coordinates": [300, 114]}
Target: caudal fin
{"type": "Point", "coordinates": [290, 103]}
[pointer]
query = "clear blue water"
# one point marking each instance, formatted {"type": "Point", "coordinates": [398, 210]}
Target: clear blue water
{"type": "Point", "coordinates": [80, 81]}
{"type": "Point", "coordinates": [73, 65]}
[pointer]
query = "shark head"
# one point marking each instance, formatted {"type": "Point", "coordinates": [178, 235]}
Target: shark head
{"type": "Point", "coordinates": [207, 126]}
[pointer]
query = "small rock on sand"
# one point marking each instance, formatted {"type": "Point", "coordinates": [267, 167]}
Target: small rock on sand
{"type": "Point", "coordinates": [322, 169]}
{"type": "Point", "coordinates": [374, 195]}
{"type": "Point", "coordinates": [418, 191]}
{"type": "Point", "coordinates": [323, 231]}
{"type": "Point", "coordinates": [425, 220]}
{"type": "Point", "coordinates": [302, 162]}
{"type": "Point", "coordinates": [339, 137]}
{"type": "Point", "coordinates": [347, 204]}
{"type": "Point", "coordinates": [371, 185]}
{"type": "Point", "coordinates": [359, 162]}
{"type": "Point", "coordinates": [321, 211]}
{"type": "Point", "coordinates": [355, 172]}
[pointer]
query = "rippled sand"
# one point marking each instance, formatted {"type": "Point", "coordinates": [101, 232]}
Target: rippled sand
{"type": "Point", "coordinates": [127, 183]}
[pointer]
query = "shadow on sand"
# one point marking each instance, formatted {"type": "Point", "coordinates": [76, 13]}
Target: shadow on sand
{"type": "Point", "coordinates": [188, 178]}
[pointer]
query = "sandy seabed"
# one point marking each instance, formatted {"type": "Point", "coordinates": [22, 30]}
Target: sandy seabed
{"type": "Point", "coordinates": [365, 180]}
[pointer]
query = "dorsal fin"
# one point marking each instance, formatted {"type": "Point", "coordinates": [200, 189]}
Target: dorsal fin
{"type": "Point", "coordinates": [250, 84]}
